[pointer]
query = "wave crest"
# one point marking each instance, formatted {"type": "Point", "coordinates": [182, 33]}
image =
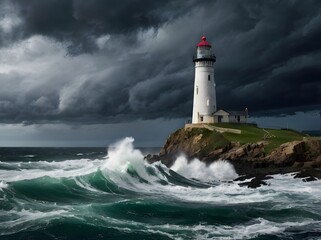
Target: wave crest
{"type": "Point", "coordinates": [218, 170]}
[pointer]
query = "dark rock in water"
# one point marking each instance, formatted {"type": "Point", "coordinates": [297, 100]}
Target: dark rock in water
{"type": "Point", "coordinates": [151, 158]}
{"type": "Point", "coordinates": [256, 181]}
{"type": "Point", "coordinates": [309, 179]}
{"type": "Point", "coordinates": [309, 175]}
{"type": "Point", "coordinates": [261, 177]}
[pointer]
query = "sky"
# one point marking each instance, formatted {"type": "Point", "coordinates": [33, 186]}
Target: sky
{"type": "Point", "coordinates": [88, 73]}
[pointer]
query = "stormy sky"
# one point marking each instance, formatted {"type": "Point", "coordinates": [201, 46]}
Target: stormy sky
{"type": "Point", "coordinates": [78, 72]}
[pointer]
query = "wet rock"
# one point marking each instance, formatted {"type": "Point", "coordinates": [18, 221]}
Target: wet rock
{"type": "Point", "coordinates": [309, 175]}
{"type": "Point", "coordinates": [198, 143]}
{"type": "Point", "coordinates": [151, 158]}
{"type": "Point", "coordinates": [255, 182]}
{"type": "Point", "coordinates": [247, 159]}
{"type": "Point", "coordinates": [309, 179]}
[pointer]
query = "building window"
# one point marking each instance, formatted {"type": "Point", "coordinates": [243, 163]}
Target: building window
{"type": "Point", "coordinates": [201, 119]}
{"type": "Point", "coordinates": [209, 77]}
{"type": "Point", "coordinates": [196, 90]}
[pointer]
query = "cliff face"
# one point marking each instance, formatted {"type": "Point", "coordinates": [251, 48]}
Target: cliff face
{"type": "Point", "coordinates": [205, 145]}
{"type": "Point", "coordinates": [305, 153]}
{"type": "Point", "coordinates": [194, 143]}
{"type": "Point", "coordinates": [248, 159]}
{"type": "Point", "coordinates": [298, 156]}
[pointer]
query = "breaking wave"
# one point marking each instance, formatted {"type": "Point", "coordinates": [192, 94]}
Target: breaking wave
{"type": "Point", "coordinates": [219, 170]}
{"type": "Point", "coordinates": [121, 195]}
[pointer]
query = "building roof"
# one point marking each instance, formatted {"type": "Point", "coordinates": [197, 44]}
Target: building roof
{"type": "Point", "coordinates": [203, 43]}
{"type": "Point", "coordinates": [232, 113]}
{"type": "Point", "coordinates": [221, 111]}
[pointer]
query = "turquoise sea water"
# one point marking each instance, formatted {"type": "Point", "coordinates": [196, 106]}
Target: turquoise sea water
{"type": "Point", "coordinates": [69, 193]}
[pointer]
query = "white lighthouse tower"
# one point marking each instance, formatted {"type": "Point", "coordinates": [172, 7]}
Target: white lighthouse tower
{"type": "Point", "coordinates": [204, 104]}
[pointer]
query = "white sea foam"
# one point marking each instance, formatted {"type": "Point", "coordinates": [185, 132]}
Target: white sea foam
{"type": "Point", "coordinates": [123, 158]}
{"type": "Point", "coordinates": [218, 170]}
{"type": "Point", "coordinates": [22, 217]}
{"type": "Point", "coordinates": [85, 185]}
{"type": "Point", "coordinates": [123, 162]}
{"type": "Point", "coordinates": [3, 185]}
{"type": "Point", "coordinates": [122, 154]}
{"type": "Point", "coordinates": [122, 165]}
{"type": "Point", "coordinates": [259, 227]}
{"type": "Point", "coordinates": [246, 230]}
{"type": "Point", "coordinates": [33, 170]}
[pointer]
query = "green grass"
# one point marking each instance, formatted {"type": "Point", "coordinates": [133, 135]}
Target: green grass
{"type": "Point", "coordinates": [252, 134]}
{"type": "Point", "coordinates": [282, 136]}
{"type": "Point", "coordinates": [216, 140]}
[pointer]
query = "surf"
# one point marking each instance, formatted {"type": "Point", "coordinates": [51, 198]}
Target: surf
{"type": "Point", "coordinates": [121, 194]}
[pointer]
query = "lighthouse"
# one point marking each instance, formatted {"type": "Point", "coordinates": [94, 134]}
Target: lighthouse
{"type": "Point", "coordinates": [204, 104]}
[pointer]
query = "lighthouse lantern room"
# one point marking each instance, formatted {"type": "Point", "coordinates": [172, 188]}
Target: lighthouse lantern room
{"type": "Point", "coordinates": [204, 104]}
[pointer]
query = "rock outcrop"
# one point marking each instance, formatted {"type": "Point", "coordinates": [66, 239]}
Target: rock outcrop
{"type": "Point", "coordinates": [198, 143]}
{"type": "Point", "coordinates": [249, 159]}
{"type": "Point", "coordinates": [249, 150]}
{"type": "Point", "coordinates": [299, 154]}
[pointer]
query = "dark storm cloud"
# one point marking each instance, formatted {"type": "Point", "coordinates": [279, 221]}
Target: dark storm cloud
{"type": "Point", "coordinates": [275, 62]}
{"type": "Point", "coordinates": [80, 22]}
{"type": "Point", "coordinates": [110, 61]}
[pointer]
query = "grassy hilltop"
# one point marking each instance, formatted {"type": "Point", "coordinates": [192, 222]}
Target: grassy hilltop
{"type": "Point", "coordinates": [251, 134]}
{"type": "Point", "coordinates": [206, 140]}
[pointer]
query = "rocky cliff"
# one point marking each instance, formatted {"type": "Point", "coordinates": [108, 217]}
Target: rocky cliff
{"type": "Point", "coordinates": [250, 159]}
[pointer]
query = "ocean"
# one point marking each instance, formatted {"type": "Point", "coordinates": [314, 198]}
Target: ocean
{"type": "Point", "coordinates": [87, 193]}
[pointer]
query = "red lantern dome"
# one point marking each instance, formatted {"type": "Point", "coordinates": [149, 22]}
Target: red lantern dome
{"type": "Point", "coordinates": [204, 43]}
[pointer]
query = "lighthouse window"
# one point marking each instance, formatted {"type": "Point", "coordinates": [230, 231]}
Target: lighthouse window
{"type": "Point", "coordinates": [196, 90]}
{"type": "Point", "coordinates": [209, 77]}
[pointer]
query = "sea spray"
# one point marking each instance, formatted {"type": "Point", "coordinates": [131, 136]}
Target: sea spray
{"type": "Point", "coordinates": [218, 170]}
{"type": "Point", "coordinates": [128, 164]}
{"type": "Point", "coordinates": [3, 184]}
{"type": "Point", "coordinates": [122, 156]}
{"type": "Point", "coordinates": [124, 197]}
{"type": "Point", "coordinates": [33, 170]}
